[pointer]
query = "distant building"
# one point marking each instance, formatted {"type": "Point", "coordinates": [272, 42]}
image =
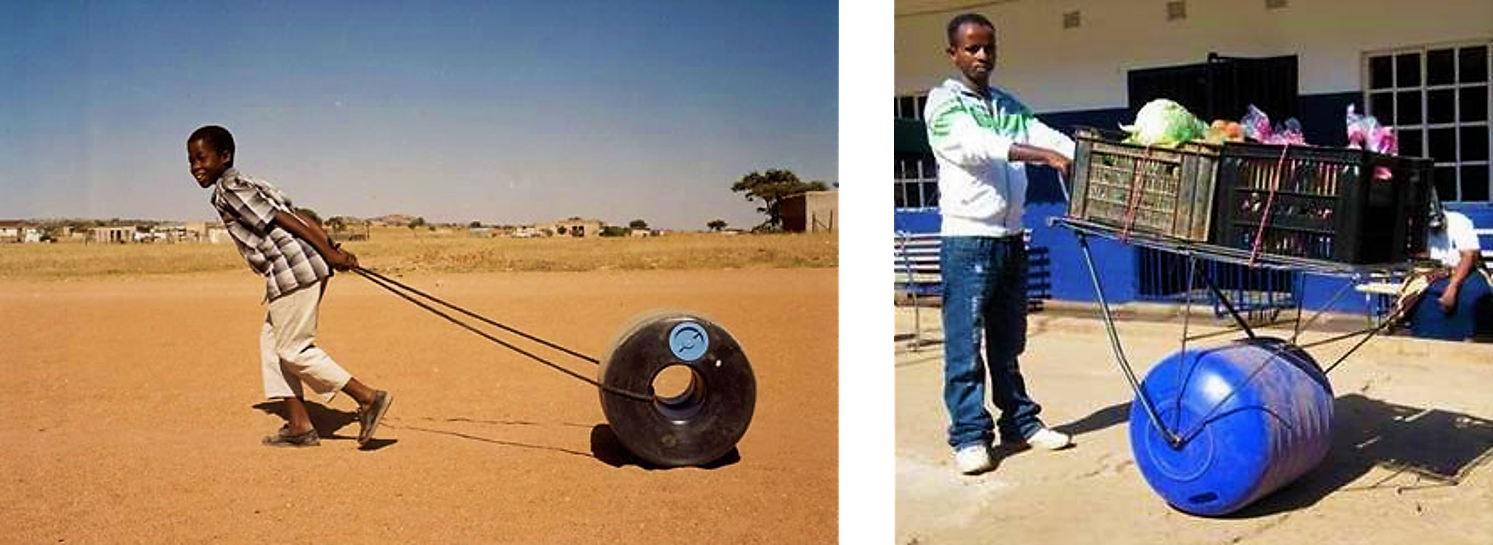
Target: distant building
{"type": "Point", "coordinates": [812, 212]}
{"type": "Point", "coordinates": [119, 235]}
{"type": "Point", "coordinates": [196, 231]}
{"type": "Point", "coordinates": [185, 232]}
{"type": "Point", "coordinates": [10, 230]}
{"type": "Point", "coordinates": [218, 235]}
{"type": "Point", "coordinates": [575, 227]}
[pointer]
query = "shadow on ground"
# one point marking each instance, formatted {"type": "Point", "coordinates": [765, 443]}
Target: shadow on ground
{"type": "Point", "coordinates": [1118, 413]}
{"type": "Point", "coordinates": [607, 448]}
{"type": "Point", "coordinates": [1436, 445]}
{"type": "Point", "coordinates": [488, 440]}
{"type": "Point", "coordinates": [328, 421]}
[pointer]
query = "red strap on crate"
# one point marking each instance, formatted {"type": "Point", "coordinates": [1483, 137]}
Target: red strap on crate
{"type": "Point", "coordinates": [1134, 201]}
{"type": "Point", "coordinates": [1269, 200]}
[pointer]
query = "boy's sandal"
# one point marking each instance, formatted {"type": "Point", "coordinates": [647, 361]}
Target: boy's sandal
{"type": "Point", "coordinates": [370, 416]}
{"type": "Point", "coordinates": [284, 438]}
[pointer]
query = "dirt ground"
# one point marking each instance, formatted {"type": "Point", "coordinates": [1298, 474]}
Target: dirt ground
{"type": "Point", "coordinates": [1411, 439]}
{"type": "Point", "coordinates": [132, 412]}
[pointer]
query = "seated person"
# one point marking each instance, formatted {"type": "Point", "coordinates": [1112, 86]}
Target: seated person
{"type": "Point", "coordinates": [1458, 292]}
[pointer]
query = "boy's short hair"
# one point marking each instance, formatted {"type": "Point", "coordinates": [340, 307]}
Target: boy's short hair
{"type": "Point", "coordinates": [215, 136]}
{"type": "Point", "coordinates": [966, 19]}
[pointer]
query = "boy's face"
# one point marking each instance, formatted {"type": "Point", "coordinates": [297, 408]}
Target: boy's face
{"type": "Point", "coordinates": [973, 52]}
{"type": "Point", "coordinates": [207, 164]}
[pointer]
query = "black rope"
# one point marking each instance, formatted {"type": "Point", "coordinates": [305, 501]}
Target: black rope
{"type": "Point", "coordinates": [366, 272]}
{"type": "Point", "coordinates": [380, 280]}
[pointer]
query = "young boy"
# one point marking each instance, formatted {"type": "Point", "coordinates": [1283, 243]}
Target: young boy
{"type": "Point", "coordinates": [294, 256]}
{"type": "Point", "coordinates": [982, 139]}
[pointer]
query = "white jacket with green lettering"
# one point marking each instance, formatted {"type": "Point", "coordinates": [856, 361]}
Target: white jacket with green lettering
{"type": "Point", "coordinates": [981, 193]}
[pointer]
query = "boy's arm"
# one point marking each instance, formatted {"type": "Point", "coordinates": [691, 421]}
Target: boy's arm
{"type": "Point", "coordinates": [1034, 154]}
{"type": "Point", "coordinates": [953, 134]}
{"type": "Point", "coordinates": [1047, 138]}
{"type": "Point", "coordinates": [311, 232]}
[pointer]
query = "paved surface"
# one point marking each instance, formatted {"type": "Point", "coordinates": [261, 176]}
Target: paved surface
{"type": "Point", "coordinates": [1411, 438]}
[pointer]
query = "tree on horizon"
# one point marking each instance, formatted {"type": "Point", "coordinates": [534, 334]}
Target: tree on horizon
{"type": "Point", "coordinates": [772, 186]}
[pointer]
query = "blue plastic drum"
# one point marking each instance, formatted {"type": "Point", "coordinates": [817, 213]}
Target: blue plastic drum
{"type": "Point", "coordinates": [1253, 415]}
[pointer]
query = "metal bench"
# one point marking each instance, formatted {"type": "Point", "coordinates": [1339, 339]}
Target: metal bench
{"type": "Point", "coordinates": [917, 273]}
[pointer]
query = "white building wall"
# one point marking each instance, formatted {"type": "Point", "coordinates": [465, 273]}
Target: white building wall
{"type": "Point", "coordinates": [1053, 69]}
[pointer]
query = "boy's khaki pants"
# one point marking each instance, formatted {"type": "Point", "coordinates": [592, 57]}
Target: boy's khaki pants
{"type": "Point", "coordinates": [287, 351]}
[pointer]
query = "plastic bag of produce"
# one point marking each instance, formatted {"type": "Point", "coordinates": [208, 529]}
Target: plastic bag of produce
{"type": "Point", "coordinates": [1365, 132]}
{"type": "Point", "coordinates": [1257, 127]}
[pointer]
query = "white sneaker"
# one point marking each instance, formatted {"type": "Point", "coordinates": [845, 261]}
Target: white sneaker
{"type": "Point", "coordinates": [1047, 439]}
{"type": "Point", "coordinates": [973, 459]}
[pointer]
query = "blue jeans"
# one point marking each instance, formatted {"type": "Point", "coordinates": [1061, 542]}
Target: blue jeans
{"type": "Point", "coordinates": [984, 291]}
{"type": "Point", "coordinates": [1428, 321]}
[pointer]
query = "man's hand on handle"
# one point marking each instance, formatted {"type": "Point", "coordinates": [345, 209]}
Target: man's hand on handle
{"type": "Point", "coordinates": [1059, 163]}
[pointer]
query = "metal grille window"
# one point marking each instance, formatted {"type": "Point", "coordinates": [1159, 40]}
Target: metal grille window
{"type": "Point", "coordinates": [1438, 99]}
{"type": "Point", "coordinates": [916, 182]}
{"type": "Point", "coordinates": [911, 106]}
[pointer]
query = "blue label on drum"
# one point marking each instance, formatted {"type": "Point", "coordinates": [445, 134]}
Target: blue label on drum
{"type": "Point", "coordinates": [688, 341]}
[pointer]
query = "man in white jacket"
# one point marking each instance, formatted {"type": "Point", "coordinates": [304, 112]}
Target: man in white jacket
{"type": "Point", "coordinates": [982, 139]}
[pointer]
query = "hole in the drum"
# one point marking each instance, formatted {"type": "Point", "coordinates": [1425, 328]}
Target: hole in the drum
{"type": "Point", "coordinates": [672, 381]}
{"type": "Point", "coordinates": [1203, 498]}
{"type": "Point", "coordinates": [678, 391]}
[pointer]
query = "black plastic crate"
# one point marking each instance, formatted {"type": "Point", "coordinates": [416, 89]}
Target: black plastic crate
{"type": "Point", "coordinates": [1158, 190]}
{"type": "Point", "coordinates": [1327, 203]}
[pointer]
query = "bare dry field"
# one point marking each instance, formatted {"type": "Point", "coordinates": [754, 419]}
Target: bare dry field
{"type": "Point", "coordinates": [404, 250]}
{"type": "Point", "coordinates": [133, 411]}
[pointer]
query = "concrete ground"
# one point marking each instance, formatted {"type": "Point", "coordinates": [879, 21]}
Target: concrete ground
{"type": "Point", "coordinates": [1412, 432]}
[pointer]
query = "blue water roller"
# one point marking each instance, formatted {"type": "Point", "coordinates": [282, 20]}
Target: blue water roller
{"type": "Point", "coordinates": [1248, 417]}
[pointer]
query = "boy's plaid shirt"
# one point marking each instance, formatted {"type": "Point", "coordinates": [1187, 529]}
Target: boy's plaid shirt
{"type": "Point", "coordinates": [248, 208]}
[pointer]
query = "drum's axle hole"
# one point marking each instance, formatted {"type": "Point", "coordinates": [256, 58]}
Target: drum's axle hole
{"type": "Point", "coordinates": [678, 391]}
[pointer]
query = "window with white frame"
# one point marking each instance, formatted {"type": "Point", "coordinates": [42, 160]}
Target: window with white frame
{"type": "Point", "coordinates": [1438, 98]}
{"type": "Point", "coordinates": [910, 106]}
{"type": "Point", "coordinates": [916, 182]}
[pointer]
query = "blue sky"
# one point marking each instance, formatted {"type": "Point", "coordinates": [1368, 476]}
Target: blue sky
{"type": "Point", "coordinates": [505, 112]}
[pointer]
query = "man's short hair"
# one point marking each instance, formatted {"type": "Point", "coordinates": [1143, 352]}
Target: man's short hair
{"type": "Point", "coordinates": [966, 19]}
{"type": "Point", "coordinates": [215, 136]}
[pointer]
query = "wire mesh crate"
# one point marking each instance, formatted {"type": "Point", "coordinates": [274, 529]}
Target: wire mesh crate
{"type": "Point", "coordinates": [1156, 190]}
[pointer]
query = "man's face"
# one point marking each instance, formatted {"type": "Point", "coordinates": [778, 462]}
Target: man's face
{"type": "Point", "coordinates": [207, 164]}
{"type": "Point", "coordinates": [973, 52]}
